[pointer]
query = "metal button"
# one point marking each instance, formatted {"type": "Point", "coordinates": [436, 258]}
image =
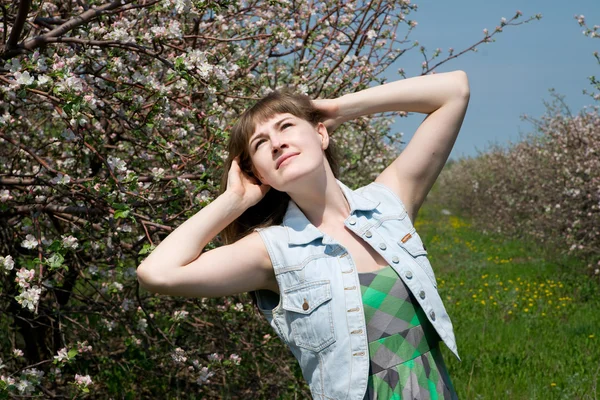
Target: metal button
{"type": "Point", "coordinates": [382, 246]}
{"type": "Point", "coordinates": [408, 275]}
{"type": "Point", "coordinates": [422, 294]}
{"type": "Point", "coordinates": [395, 260]}
{"type": "Point", "coordinates": [432, 315]}
{"type": "Point", "coordinates": [305, 305]}
{"type": "Point", "coordinates": [352, 221]}
{"type": "Point", "coordinates": [368, 234]}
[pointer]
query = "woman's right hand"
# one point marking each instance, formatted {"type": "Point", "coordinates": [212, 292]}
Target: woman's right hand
{"type": "Point", "coordinates": [248, 189]}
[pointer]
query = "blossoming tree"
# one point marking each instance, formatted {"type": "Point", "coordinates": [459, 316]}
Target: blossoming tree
{"type": "Point", "coordinates": [113, 122]}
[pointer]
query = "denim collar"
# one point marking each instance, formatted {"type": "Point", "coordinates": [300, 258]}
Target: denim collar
{"type": "Point", "coordinates": [299, 229]}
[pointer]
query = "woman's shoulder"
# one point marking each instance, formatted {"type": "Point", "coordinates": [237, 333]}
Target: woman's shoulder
{"type": "Point", "coordinates": [381, 193]}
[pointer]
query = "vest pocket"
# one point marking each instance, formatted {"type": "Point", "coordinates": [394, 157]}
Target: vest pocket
{"type": "Point", "coordinates": [309, 313]}
{"type": "Point", "coordinates": [414, 246]}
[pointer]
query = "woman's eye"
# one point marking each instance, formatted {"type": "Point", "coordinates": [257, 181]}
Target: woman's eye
{"type": "Point", "coordinates": [258, 143]}
{"type": "Point", "coordinates": [285, 125]}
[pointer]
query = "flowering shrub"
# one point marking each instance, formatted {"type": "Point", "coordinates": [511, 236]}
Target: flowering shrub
{"type": "Point", "coordinates": [113, 123]}
{"type": "Point", "coordinates": [592, 32]}
{"type": "Point", "coordinates": [547, 186]}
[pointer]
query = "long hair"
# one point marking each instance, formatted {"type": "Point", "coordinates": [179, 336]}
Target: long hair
{"type": "Point", "coordinates": [272, 207]}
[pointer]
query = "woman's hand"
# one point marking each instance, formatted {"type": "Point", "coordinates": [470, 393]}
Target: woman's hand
{"type": "Point", "coordinates": [330, 108]}
{"type": "Point", "coordinates": [248, 189]}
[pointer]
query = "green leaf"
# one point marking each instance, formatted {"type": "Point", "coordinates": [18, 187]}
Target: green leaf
{"type": "Point", "coordinates": [55, 261]}
{"type": "Point", "coordinates": [147, 248]}
{"type": "Point", "coordinates": [122, 214]}
{"type": "Point", "coordinates": [72, 353]}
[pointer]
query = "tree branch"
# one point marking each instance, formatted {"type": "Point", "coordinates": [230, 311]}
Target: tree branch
{"type": "Point", "coordinates": [17, 28]}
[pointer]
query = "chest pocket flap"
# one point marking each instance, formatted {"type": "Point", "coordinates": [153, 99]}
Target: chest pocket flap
{"type": "Point", "coordinates": [413, 245]}
{"type": "Point", "coordinates": [310, 314]}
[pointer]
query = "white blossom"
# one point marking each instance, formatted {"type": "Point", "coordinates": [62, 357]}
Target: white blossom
{"type": "Point", "coordinates": [63, 355]}
{"type": "Point", "coordinates": [14, 65]}
{"type": "Point", "coordinates": [24, 386]}
{"type": "Point", "coordinates": [61, 179]}
{"type": "Point", "coordinates": [30, 242]}
{"type": "Point", "coordinates": [179, 355]}
{"type": "Point", "coordinates": [142, 324]}
{"type": "Point", "coordinates": [116, 163]}
{"type": "Point", "coordinates": [5, 196]}
{"type": "Point", "coordinates": [70, 242]}
{"type": "Point", "coordinates": [7, 262]}
{"type": "Point", "coordinates": [34, 373]}
{"type": "Point", "coordinates": [204, 375]}
{"type": "Point", "coordinates": [29, 298]}
{"type": "Point", "coordinates": [235, 359]}
{"type": "Point", "coordinates": [180, 315]}
{"type": "Point", "coordinates": [83, 380]}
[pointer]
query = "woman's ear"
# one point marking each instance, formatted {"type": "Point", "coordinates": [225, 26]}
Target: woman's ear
{"type": "Point", "coordinates": [322, 131]}
{"type": "Point", "coordinates": [258, 176]}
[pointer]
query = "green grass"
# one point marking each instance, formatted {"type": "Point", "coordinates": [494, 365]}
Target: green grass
{"type": "Point", "coordinates": [527, 326]}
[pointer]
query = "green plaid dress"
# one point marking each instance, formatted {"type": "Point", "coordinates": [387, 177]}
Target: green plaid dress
{"type": "Point", "coordinates": [406, 362]}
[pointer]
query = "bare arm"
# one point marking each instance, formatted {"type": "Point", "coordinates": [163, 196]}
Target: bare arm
{"type": "Point", "coordinates": [444, 97]}
{"type": "Point", "coordinates": [177, 267]}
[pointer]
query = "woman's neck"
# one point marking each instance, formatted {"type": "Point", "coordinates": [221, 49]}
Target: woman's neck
{"type": "Point", "coordinates": [322, 201]}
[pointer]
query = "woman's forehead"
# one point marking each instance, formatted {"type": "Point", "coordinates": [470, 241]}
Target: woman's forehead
{"type": "Point", "coordinates": [273, 120]}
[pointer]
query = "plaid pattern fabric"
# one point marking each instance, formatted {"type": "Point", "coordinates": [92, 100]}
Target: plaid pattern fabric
{"type": "Point", "coordinates": [406, 362]}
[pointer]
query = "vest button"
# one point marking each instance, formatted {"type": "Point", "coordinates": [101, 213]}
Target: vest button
{"type": "Point", "coordinates": [382, 246]}
{"type": "Point", "coordinates": [305, 305]}
{"type": "Point", "coordinates": [368, 234]}
{"type": "Point", "coordinates": [422, 294]}
{"type": "Point", "coordinates": [408, 275]}
{"type": "Point", "coordinates": [395, 260]}
{"type": "Point", "coordinates": [432, 315]}
{"type": "Point", "coordinates": [352, 221]}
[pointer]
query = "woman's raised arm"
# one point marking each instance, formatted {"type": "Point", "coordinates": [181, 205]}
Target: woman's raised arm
{"type": "Point", "coordinates": [177, 267]}
{"type": "Point", "coordinates": [444, 97]}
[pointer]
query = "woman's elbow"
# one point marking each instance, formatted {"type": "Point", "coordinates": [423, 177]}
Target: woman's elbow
{"type": "Point", "coordinates": [462, 83]}
{"type": "Point", "coordinates": [150, 280]}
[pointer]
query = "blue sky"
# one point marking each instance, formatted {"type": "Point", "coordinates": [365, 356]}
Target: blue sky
{"type": "Point", "coordinates": [511, 76]}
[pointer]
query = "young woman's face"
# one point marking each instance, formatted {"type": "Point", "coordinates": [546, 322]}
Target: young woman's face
{"type": "Point", "coordinates": [285, 148]}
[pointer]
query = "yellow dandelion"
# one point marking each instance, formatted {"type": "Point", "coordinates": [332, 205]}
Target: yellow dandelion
{"type": "Point", "coordinates": [553, 384]}
{"type": "Point", "coordinates": [483, 302]}
{"type": "Point", "coordinates": [591, 336]}
{"type": "Point", "coordinates": [526, 309]}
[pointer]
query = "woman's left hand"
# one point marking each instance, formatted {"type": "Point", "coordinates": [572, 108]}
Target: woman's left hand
{"type": "Point", "coordinates": [331, 111]}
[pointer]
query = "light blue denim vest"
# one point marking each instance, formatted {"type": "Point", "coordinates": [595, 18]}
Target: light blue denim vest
{"type": "Point", "coordinates": [319, 313]}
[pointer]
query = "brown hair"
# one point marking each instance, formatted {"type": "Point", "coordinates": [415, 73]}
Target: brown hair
{"type": "Point", "coordinates": [271, 209]}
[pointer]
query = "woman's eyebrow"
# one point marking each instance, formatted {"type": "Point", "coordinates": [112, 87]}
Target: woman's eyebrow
{"type": "Point", "coordinates": [276, 125]}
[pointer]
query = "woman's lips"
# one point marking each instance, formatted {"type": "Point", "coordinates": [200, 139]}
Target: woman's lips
{"type": "Point", "coordinates": [285, 159]}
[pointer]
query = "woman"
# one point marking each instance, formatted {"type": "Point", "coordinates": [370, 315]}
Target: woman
{"type": "Point", "coordinates": [341, 275]}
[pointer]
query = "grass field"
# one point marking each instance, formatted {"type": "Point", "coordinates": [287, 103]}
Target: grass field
{"type": "Point", "coordinates": [527, 326]}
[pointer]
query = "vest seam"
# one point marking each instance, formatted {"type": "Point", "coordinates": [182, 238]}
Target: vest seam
{"type": "Point", "coordinates": [302, 265]}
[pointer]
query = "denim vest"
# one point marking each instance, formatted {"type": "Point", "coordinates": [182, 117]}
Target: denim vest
{"type": "Point", "coordinates": [319, 312]}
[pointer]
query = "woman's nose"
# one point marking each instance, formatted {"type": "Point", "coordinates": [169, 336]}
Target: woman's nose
{"type": "Point", "coordinates": [276, 144]}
